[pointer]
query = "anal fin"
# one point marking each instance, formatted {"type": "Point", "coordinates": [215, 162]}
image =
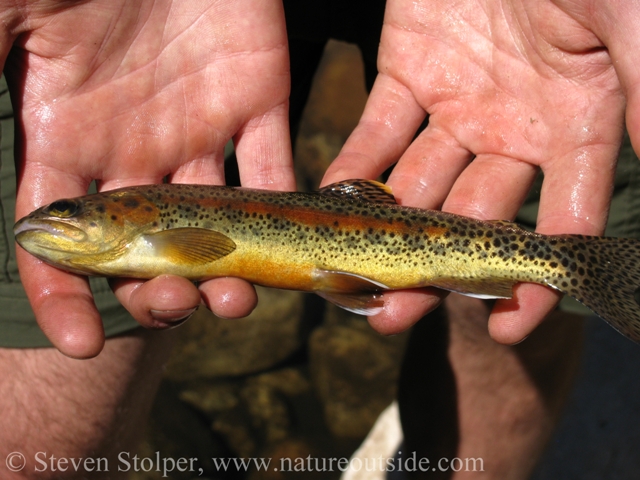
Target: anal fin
{"type": "Point", "coordinates": [476, 287]}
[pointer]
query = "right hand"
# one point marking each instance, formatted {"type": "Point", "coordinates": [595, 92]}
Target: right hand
{"type": "Point", "coordinates": [130, 92]}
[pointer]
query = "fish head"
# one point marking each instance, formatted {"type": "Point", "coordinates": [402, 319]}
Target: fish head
{"type": "Point", "coordinates": [80, 234]}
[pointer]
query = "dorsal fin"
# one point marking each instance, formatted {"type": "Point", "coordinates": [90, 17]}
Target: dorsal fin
{"type": "Point", "coordinates": [361, 190]}
{"type": "Point", "coordinates": [508, 224]}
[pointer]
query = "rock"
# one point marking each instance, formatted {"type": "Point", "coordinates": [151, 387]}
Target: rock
{"type": "Point", "coordinates": [235, 426]}
{"type": "Point", "coordinates": [355, 372]}
{"type": "Point", "coordinates": [316, 151]}
{"type": "Point", "coordinates": [335, 103]}
{"type": "Point", "coordinates": [212, 396]}
{"type": "Point", "coordinates": [179, 431]}
{"type": "Point", "coordinates": [249, 413]}
{"type": "Point", "coordinates": [213, 347]}
{"type": "Point", "coordinates": [266, 399]}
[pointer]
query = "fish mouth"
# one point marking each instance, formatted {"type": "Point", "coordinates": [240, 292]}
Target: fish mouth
{"type": "Point", "coordinates": [47, 233]}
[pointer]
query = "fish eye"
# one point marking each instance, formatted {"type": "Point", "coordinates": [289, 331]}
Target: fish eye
{"type": "Point", "coordinates": [62, 208]}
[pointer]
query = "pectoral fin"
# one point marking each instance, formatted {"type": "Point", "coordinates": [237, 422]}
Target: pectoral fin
{"type": "Point", "coordinates": [191, 245]}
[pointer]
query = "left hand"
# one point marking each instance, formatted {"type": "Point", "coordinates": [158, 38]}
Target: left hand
{"type": "Point", "coordinates": [510, 87]}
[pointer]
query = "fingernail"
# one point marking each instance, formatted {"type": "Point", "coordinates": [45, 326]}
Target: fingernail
{"type": "Point", "coordinates": [519, 341]}
{"type": "Point", "coordinates": [171, 318]}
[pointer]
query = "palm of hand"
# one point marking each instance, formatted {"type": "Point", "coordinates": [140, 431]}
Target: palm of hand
{"type": "Point", "coordinates": [115, 99]}
{"type": "Point", "coordinates": [129, 93]}
{"type": "Point", "coordinates": [510, 88]}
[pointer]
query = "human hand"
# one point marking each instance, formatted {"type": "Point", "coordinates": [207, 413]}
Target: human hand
{"type": "Point", "coordinates": [510, 87]}
{"type": "Point", "coordinates": [130, 92]}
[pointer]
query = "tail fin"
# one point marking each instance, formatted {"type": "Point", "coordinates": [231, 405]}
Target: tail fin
{"type": "Point", "coordinates": [604, 275]}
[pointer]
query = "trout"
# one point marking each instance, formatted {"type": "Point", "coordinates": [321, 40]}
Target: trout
{"type": "Point", "coordinates": [348, 242]}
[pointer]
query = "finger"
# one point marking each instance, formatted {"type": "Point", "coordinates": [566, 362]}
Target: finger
{"type": "Point", "coordinates": [492, 187]}
{"type": "Point", "coordinates": [385, 130]}
{"type": "Point", "coordinates": [403, 308]}
{"type": "Point", "coordinates": [263, 149]}
{"type": "Point", "coordinates": [428, 169]}
{"type": "Point", "coordinates": [162, 302]}
{"type": "Point", "coordinates": [475, 193]}
{"type": "Point", "coordinates": [205, 170]}
{"type": "Point", "coordinates": [423, 177]}
{"type": "Point", "coordinates": [63, 306]}
{"type": "Point", "coordinates": [633, 116]}
{"type": "Point", "coordinates": [229, 297]}
{"type": "Point", "coordinates": [107, 184]}
{"type": "Point", "coordinates": [513, 320]}
{"type": "Point", "coordinates": [575, 199]}
{"type": "Point", "coordinates": [175, 297]}
{"type": "Point", "coordinates": [62, 302]}
{"type": "Point", "coordinates": [388, 123]}
{"type": "Point", "coordinates": [619, 42]}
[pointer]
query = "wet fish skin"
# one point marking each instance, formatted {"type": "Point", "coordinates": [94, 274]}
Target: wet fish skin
{"type": "Point", "coordinates": [347, 242]}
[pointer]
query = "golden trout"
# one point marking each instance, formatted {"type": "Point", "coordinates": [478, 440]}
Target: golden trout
{"type": "Point", "coordinates": [347, 242]}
